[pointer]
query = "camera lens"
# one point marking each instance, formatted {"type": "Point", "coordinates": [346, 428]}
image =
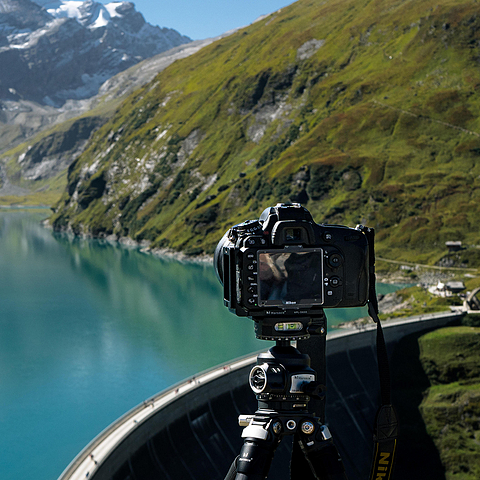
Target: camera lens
{"type": "Point", "coordinates": [218, 257]}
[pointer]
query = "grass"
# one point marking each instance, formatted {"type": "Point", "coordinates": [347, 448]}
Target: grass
{"type": "Point", "coordinates": [437, 392]}
{"type": "Point", "coordinates": [420, 302]}
{"type": "Point", "coordinates": [451, 407]}
{"type": "Point", "coordinates": [43, 199]}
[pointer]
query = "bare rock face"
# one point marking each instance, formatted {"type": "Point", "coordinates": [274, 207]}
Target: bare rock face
{"type": "Point", "coordinates": [51, 52]}
{"type": "Point", "coordinates": [18, 15]}
{"type": "Point", "coordinates": [57, 151]}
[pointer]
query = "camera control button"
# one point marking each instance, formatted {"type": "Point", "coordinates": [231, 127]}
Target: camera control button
{"type": "Point", "coordinates": [252, 289]}
{"type": "Point", "coordinates": [327, 236]}
{"type": "Point", "coordinates": [252, 266]}
{"type": "Point", "coordinates": [335, 282]}
{"type": "Point", "coordinates": [335, 260]}
{"type": "Point", "coordinates": [255, 241]}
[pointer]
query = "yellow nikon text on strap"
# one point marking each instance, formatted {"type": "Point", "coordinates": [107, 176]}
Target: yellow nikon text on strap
{"type": "Point", "coordinates": [383, 461]}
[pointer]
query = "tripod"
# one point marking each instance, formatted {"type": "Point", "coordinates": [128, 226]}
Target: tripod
{"type": "Point", "coordinates": [282, 380]}
{"type": "Point", "coordinates": [284, 384]}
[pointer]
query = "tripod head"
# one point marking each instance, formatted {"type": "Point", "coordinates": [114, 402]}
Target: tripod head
{"type": "Point", "coordinates": [284, 382]}
{"type": "Point", "coordinates": [282, 379]}
{"type": "Point", "coordinates": [301, 327]}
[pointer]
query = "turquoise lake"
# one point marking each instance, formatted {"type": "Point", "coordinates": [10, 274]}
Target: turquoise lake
{"type": "Point", "coordinates": [89, 330]}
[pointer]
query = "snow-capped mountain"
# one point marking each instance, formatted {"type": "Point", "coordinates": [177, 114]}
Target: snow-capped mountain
{"type": "Point", "coordinates": [54, 51]}
{"type": "Point", "coordinates": [89, 14]}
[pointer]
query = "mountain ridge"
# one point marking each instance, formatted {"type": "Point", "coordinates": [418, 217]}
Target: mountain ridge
{"type": "Point", "coordinates": [68, 49]}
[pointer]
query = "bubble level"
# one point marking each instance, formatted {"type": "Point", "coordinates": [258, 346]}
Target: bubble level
{"type": "Point", "coordinates": [288, 326]}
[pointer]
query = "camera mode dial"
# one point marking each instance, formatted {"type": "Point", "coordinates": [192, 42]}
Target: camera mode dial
{"type": "Point", "coordinates": [250, 227]}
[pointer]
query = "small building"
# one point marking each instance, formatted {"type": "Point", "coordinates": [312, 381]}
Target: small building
{"type": "Point", "coordinates": [454, 246]}
{"type": "Point", "coordinates": [455, 287]}
{"type": "Point", "coordinates": [447, 289]}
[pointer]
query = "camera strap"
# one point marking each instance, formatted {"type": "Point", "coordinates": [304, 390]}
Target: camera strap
{"type": "Point", "coordinates": [385, 431]}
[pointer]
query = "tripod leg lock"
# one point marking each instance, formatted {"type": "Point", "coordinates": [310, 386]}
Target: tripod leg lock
{"type": "Point", "coordinates": [256, 430]}
{"type": "Point", "coordinates": [309, 438]}
{"type": "Point", "coordinates": [244, 420]}
{"type": "Point", "coordinates": [257, 453]}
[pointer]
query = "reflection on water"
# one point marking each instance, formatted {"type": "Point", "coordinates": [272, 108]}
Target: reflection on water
{"type": "Point", "coordinates": [177, 308]}
{"type": "Point", "coordinates": [89, 330]}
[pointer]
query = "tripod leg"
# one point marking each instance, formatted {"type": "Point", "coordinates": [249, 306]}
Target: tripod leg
{"type": "Point", "coordinates": [322, 455]}
{"type": "Point", "coordinates": [299, 466]}
{"type": "Point", "coordinates": [232, 471]}
{"type": "Point", "coordinates": [256, 454]}
{"type": "Point", "coordinates": [255, 459]}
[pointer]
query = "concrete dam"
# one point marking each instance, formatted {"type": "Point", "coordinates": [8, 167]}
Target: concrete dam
{"type": "Point", "coordinates": [191, 431]}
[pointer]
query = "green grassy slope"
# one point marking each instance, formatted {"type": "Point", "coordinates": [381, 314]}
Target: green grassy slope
{"type": "Point", "coordinates": [437, 393]}
{"type": "Point", "coordinates": [364, 111]}
{"type": "Point", "coordinates": [50, 144]}
{"type": "Point", "coordinates": [451, 408]}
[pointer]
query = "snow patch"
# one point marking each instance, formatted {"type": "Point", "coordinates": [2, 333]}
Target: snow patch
{"type": "Point", "coordinates": [102, 19]}
{"type": "Point", "coordinates": [112, 9]}
{"type": "Point", "coordinates": [69, 9]}
{"type": "Point", "coordinates": [28, 39]}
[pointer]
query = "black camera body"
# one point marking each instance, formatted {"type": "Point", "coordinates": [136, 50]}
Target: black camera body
{"type": "Point", "coordinates": [284, 269]}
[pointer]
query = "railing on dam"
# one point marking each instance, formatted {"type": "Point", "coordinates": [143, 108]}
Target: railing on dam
{"type": "Point", "coordinates": [190, 431]}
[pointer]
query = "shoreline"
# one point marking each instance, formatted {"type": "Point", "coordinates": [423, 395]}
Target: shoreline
{"type": "Point", "coordinates": [129, 243]}
{"type": "Point", "coordinates": [396, 277]}
{"type": "Point", "coordinates": [167, 253]}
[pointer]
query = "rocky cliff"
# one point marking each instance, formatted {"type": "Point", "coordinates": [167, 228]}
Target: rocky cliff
{"type": "Point", "coordinates": [54, 51]}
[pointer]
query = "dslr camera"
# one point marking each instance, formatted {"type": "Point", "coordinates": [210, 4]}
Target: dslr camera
{"type": "Point", "coordinates": [283, 269]}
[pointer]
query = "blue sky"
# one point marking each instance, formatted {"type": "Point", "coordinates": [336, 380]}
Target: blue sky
{"type": "Point", "coordinates": [200, 19]}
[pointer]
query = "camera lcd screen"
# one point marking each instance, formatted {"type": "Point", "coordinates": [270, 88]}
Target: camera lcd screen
{"type": "Point", "coordinates": [290, 277]}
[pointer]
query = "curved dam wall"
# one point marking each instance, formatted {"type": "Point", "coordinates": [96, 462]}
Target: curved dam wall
{"type": "Point", "coordinates": [190, 431]}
